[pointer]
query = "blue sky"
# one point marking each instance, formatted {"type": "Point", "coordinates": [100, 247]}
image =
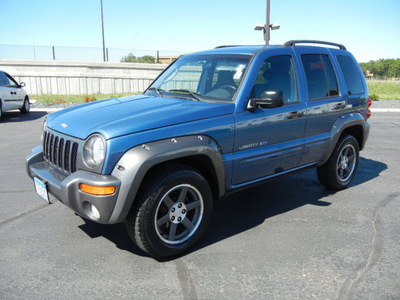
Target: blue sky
{"type": "Point", "coordinates": [370, 29]}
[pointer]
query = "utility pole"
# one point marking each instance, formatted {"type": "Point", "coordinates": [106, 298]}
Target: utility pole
{"type": "Point", "coordinates": [267, 26]}
{"type": "Point", "coordinates": [102, 30]}
{"type": "Point", "coordinates": [34, 49]}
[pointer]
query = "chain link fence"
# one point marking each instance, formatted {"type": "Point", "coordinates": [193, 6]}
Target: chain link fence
{"type": "Point", "coordinates": [89, 54]}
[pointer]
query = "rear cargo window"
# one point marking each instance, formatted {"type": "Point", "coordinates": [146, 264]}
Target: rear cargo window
{"type": "Point", "coordinates": [351, 74]}
{"type": "Point", "coordinates": [321, 78]}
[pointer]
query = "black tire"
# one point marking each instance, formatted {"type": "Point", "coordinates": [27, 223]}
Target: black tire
{"type": "Point", "coordinates": [26, 107]}
{"type": "Point", "coordinates": [171, 213]}
{"type": "Point", "coordinates": [338, 172]}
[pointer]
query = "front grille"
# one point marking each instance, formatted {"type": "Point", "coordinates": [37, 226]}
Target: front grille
{"type": "Point", "coordinates": [60, 152]}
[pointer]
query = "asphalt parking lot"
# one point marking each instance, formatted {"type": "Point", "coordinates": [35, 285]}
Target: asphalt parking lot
{"type": "Point", "coordinates": [286, 239]}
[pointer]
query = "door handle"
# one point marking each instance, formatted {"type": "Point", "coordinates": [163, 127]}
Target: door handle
{"type": "Point", "coordinates": [295, 114]}
{"type": "Point", "coordinates": [340, 105]}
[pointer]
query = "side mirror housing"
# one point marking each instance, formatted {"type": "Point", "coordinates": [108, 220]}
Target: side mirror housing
{"type": "Point", "coordinates": [22, 84]}
{"type": "Point", "coordinates": [269, 99]}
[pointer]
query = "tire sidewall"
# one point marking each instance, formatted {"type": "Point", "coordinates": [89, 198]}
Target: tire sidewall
{"type": "Point", "coordinates": [26, 106]}
{"type": "Point", "coordinates": [192, 178]}
{"type": "Point", "coordinates": [347, 140]}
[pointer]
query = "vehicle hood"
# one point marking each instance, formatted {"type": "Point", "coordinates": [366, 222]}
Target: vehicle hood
{"type": "Point", "coordinates": [127, 115]}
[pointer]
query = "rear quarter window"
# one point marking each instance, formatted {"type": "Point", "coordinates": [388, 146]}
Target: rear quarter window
{"type": "Point", "coordinates": [351, 74]}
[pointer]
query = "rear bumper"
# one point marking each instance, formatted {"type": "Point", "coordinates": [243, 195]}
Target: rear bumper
{"type": "Point", "coordinates": [66, 188]}
{"type": "Point", "coordinates": [367, 128]}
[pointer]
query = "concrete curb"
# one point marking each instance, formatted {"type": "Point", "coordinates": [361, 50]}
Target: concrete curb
{"type": "Point", "coordinates": [385, 110]}
{"type": "Point", "coordinates": [48, 110]}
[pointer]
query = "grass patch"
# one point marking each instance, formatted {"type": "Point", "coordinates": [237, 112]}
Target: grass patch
{"type": "Point", "coordinates": [57, 99]}
{"type": "Point", "coordinates": [385, 90]}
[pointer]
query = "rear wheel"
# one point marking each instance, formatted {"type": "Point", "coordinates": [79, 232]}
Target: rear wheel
{"type": "Point", "coordinates": [338, 172]}
{"type": "Point", "coordinates": [171, 213]}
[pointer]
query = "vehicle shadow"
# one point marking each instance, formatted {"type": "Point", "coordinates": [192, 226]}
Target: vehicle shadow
{"type": "Point", "coordinates": [17, 117]}
{"type": "Point", "coordinates": [247, 209]}
{"type": "Point", "coordinates": [116, 233]}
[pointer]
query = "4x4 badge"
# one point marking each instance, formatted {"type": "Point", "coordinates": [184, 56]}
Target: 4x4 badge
{"type": "Point", "coordinates": [63, 125]}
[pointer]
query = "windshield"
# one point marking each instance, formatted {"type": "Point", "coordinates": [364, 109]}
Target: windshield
{"type": "Point", "coordinates": [202, 77]}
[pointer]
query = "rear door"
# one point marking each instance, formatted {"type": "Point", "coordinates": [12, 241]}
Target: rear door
{"type": "Point", "coordinates": [269, 141]}
{"type": "Point", "coordinates": [325, 102]}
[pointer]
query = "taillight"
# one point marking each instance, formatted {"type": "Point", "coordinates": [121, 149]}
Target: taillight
{"type": "Point", "coordinates": [368, 106]}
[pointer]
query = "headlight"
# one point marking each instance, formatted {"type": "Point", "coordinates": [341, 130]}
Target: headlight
{"type": "Point", "coordinates": [94, 151]}
{"type": "Point", "coordinates": [44, 126]}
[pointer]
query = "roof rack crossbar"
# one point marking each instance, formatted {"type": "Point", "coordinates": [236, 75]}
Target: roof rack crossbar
{"type": "Point", "coordinates": [293, 43]}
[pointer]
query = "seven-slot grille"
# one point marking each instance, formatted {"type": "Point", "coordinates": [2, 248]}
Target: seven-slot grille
{"type": "Point", "coordinates": [60, 152]}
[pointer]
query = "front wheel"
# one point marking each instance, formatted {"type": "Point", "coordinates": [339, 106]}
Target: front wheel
{"type": "Point", "coordinates": [26, 106]}
{"type": "Point", "coordinates": [340, 169]}
{"type": "Point", "coordinates": [171, 213]}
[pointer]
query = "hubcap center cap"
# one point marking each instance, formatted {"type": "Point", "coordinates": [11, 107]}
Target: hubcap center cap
{"type": "Point", "coordinates": [344, 162]}
{"type": "Point", "coordinates": [177, 213]}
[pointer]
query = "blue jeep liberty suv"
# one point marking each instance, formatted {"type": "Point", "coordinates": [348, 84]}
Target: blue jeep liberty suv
{"type": "Point", "coordinates": [211, 123]}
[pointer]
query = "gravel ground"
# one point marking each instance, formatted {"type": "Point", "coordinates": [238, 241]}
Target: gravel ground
{"type": "Point", "coordinates": [53, 105]}
{"type": "Point", "coordinates": [386, 104]}
{"type": "Point", "coordinates": [375, 104]}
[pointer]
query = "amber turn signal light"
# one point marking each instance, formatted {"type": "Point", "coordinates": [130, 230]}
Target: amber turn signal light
{"type": "Point", "coordinates": [97, 190]}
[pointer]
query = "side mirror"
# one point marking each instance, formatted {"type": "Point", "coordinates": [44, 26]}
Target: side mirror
{"type": "Point", "coordinates": [22, 84]}
{"type": "Point", "coordinates": [269, 99]}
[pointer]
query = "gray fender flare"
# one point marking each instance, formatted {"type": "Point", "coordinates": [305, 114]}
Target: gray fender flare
{"type": "Point", "coordinates": [136, 162]}
{"type": "Point", "coordinates": [342, 123]}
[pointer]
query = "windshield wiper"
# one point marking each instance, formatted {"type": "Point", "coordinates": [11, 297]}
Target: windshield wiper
{"type": "Point", "coordinates": [193, 94]}
{"type": "Point", "coordinates": [157, 90]}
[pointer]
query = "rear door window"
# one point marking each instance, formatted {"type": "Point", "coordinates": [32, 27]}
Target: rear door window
{"type": "Point", "coordinates": [351, 74]}
{"type": "Point", "coordinates": [321, 77]}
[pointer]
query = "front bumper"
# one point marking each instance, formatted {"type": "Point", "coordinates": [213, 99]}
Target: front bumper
{"type": "Point", "coordinates": [66, 187]}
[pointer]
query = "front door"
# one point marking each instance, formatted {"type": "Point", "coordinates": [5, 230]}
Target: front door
{"type": "Point", "coordinates": [269, 141]}
{"type": "Point", "coordinates": [10, 92]}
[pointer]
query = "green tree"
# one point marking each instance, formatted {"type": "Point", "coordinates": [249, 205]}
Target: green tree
{"type": "Point", "coordinates": [383, 68]}
{"type": "Point", "coordinates": [146, 59]}
{"type": "Point", "coordinates": [133, 59]}
{"type": "Point", "coordinates": [129, 58]}
{"type": "Point", "coordinates": [394, 69]}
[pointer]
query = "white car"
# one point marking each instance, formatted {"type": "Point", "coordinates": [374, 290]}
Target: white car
{"type": "Point", "coordinates": [12, 95]}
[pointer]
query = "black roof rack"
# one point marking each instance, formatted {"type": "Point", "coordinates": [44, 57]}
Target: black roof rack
{"type": "Point", "coordinates": [228, 46]}
{"type": "Point", "coordinates": [294, 42]}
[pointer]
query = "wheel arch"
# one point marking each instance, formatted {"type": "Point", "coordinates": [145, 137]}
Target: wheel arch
{"type": "Point", "coordinates": [201, 162]}
{"type": "Point", "coordinates": [139, 163]}
{"type": "Point", "coordinates": [353, 124]}
{"type": "Point", "coordinates": [357, 132]}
